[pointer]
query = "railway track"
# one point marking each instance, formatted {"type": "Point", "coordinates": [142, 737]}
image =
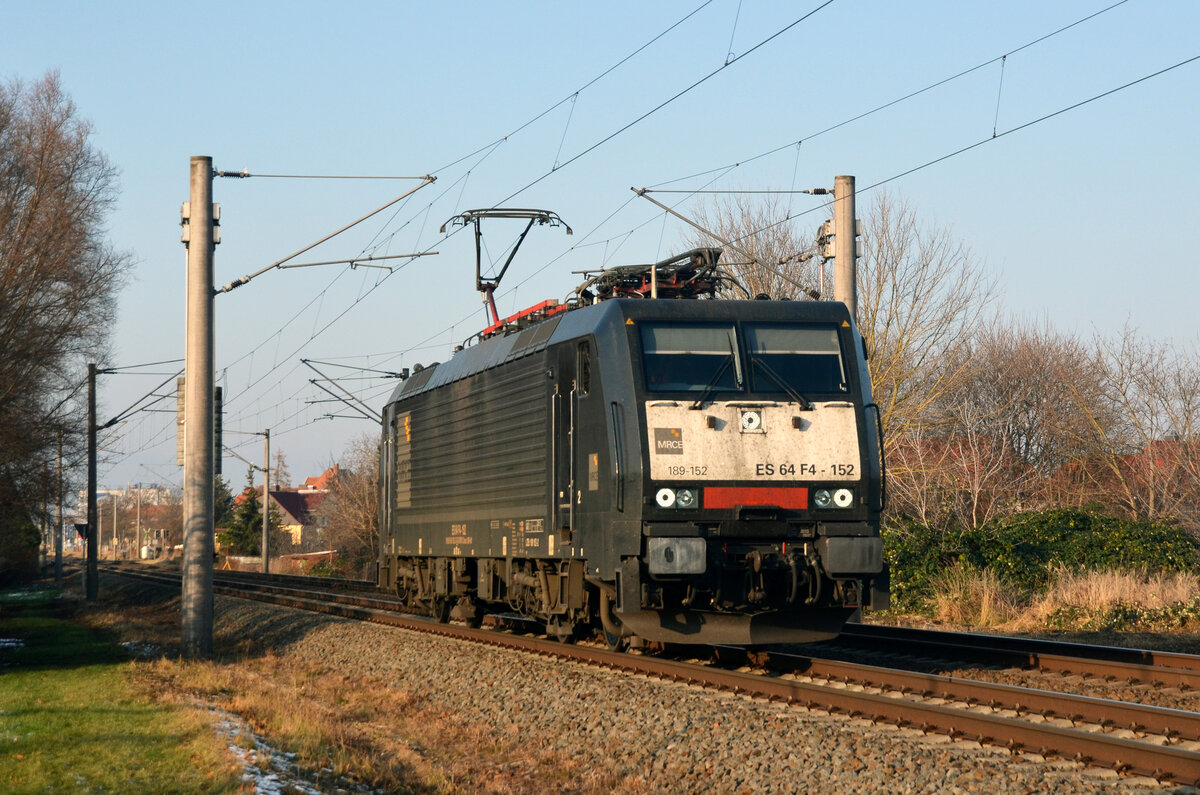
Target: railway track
{"type": "Point", "coordinates": [1163, 669]}
{"type": "Point", "coordinates": [1126, 736]}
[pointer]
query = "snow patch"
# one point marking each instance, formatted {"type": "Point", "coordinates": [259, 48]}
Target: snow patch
{"type": "Point", "coordinates": [141, 650]}
{"type": "Point", "coordinates": [271, 771]}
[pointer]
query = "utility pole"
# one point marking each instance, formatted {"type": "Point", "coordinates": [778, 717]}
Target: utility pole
{"type": "Point", "coordinates": [44, 536]}
{"type": "Point", "coordinates": [266, 543]}
{"type": "Point", "coordinates": [845, 257]}
{"type": "Point", "coordinates": [92, 577]}
{"type": "Point", "coordinates": [199, 238]}
{"type": "Point", "coordinates": [137, 554]}
{"type": "Point", "coordinates": [58, 524]}
{"type": "Point", "coordinates": [115, 539]}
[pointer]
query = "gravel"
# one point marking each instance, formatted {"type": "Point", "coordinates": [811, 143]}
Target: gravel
{"type": "Point", "coordinates": [655, 736]}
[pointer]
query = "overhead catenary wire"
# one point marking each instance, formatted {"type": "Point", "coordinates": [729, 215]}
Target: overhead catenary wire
{"type": "Point", "coordinates": [904, 98]}
{"type": "Point", "coordinates": [579, 90]}
{"type": "Point", "coordinates": [1010, 131]}
{"type": "Point", "coordinates": [615, 237]}
{"type": "Point", "coordinates": [732, 33]}
{"type": "Point", "coordinates": [138, 366]}
{"type": "Point", "coordinates": [244, 174]}
{"type": "Point", "coordinates": [133, 408]}
{"type": "Point", "coordinates": [666, 102]}
{"type": "Point", "coordinates": [337, 277]}
{"type": "Point", "coordinates": [999, 93]}
{"type": "Point", "coordinates": [1015, 129]}
{"type": "Point", "coordinates": [570, 96]}
{"type": "Point", "coordinates": [427, 180]}
{"type": "Point", "coordinates": [975, 145]}
{"type": "Point", "coordinates": [970, 147]}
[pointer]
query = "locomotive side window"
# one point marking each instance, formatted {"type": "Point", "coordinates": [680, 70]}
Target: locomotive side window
{"type": "Point", "coordinates": [691, 358]}
{"type": "Point", "coordinates": [806, 359]}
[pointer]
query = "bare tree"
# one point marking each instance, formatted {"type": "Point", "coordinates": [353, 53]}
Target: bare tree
{"type": "Point", "coordinates": [1143, 423]}
{"type": "Point", "coordinates": [780, 255]}
{"type": "Point", "coordinates": [1015, 412]}
{"type": "Point", "coordinates": [350, 514]}
{"type": "Point", "coordinates": [281, 477]}
{"type": "Point", "coordinates": [919, 480]}
{"type": "Point", "coordinates": [922, 298]}
{"type": "Point", "coordinates": [58, 278]}
{"type": "Point", "coordinates": [1028, 380]}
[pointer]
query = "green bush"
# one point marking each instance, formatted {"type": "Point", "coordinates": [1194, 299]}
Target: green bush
{"type": "Point", "coordinates": [1128, 618]}
{"type": "Point", "coordinates": [916, 555]}
{"type": "Point", "coordinates": [19, 540]}
{"type": "Point", "coordinates": [336, 569]}
{"type": "Point", "coordinates": [1023, 548]}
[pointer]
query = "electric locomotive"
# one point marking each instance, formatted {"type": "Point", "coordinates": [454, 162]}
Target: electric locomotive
{"type": "Point", "coordinates": [674, 469]}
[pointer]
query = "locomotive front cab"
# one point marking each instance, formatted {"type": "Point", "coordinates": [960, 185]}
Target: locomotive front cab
{"type": "Point", "coordinates": [761, 472]}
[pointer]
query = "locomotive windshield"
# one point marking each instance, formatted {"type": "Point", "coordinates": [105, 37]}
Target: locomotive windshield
{"type": "Point", "coordinates": [805, 359]}
{"type": "Point", "coordinates": [691, 358]}
{"type": "Point", "coordinates": [710, 359]}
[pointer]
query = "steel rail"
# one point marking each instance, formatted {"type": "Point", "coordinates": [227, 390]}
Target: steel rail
{"type": "Point", "coordinates": [1107, 713]}
{"type": "Point", "coordinates": [992, 648]}
{"type": "Point", "coordinates": [1124, 755]}
{"type": "Point", "coordinates": [1165, 659]}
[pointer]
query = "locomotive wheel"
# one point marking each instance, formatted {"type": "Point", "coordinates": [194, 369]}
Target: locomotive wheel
{"type": "Point", "coordinates": [562, 629]}
{"type": "Point", "coordinates": [615, 642]}
{"type": "Point", "coordinates": [439, 608]}
{"type": "Point", "coordinates": [473, 610]}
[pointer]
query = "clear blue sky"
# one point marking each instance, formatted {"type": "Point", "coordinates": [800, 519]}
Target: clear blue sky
{"type": "Point", "coordinates": [1086, 219]}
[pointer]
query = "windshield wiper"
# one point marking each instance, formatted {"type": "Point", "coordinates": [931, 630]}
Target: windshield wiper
{"type": "Point", "coordinates": [805, 405]}
{"type": "Point", "coordinates": [712, 384]}
{"type": "Point", "coordinates": [716, 379]}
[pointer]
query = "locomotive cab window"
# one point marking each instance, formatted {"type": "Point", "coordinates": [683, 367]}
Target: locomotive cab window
{"type": "Point", "coordinates": [807, 360]}
{"type": "Point", "coordinates": [691, 358]}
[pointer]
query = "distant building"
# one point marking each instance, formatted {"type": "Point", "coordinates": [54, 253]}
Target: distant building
{"type": "Point", "coordinates": [297, 512]}
{"type": "Point", "coordinates": [150, 493]}
{"type": "Point", "coordinates": [322, 482]}
{"type": "Point", "coordinates": [298, 509]}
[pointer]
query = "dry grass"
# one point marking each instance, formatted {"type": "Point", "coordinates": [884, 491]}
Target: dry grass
{"type": "Point", "coordinates": [391, 737]}
{"type": "Point", "coordinates": [968, 597]}
{"type": "Point", "coordinates": [1075, 600]}
{"type": "Point", "coordinates": [322, 717]}
{"type": "Point", "coordinates": [1095, 592]}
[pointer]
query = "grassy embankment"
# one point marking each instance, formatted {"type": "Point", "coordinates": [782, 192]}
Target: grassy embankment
{"type": "Point", "coordinates": [1062, 571]}
{"type": "Point", "coordinates": [74, 719]}
{"type": "Point", "coordinates": [348, 726]}
{"type": "Point", "coordinates": [1115, 601]}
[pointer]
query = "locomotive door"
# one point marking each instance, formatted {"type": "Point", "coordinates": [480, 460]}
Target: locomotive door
{"type": "Point", "coordinates": [562, 405]}
{"type": "Point", "coordinates": [578, 435]}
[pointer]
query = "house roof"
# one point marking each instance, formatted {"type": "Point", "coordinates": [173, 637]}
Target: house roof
{"type": "Point", "coordinates": [297, 506]}
{"type": "Point", "coordinates": [321, 482]}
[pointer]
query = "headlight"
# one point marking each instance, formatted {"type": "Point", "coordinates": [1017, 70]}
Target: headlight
{"type": "Point", "coordinates": [685, 498]}
{"type": "Point", "coordinates": [677, 498]}
{"type": "Point", "coordinates": [835, 498]}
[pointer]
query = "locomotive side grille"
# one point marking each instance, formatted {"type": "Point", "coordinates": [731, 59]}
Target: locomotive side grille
{"type": "Point", "coordinates": [481, 441]}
